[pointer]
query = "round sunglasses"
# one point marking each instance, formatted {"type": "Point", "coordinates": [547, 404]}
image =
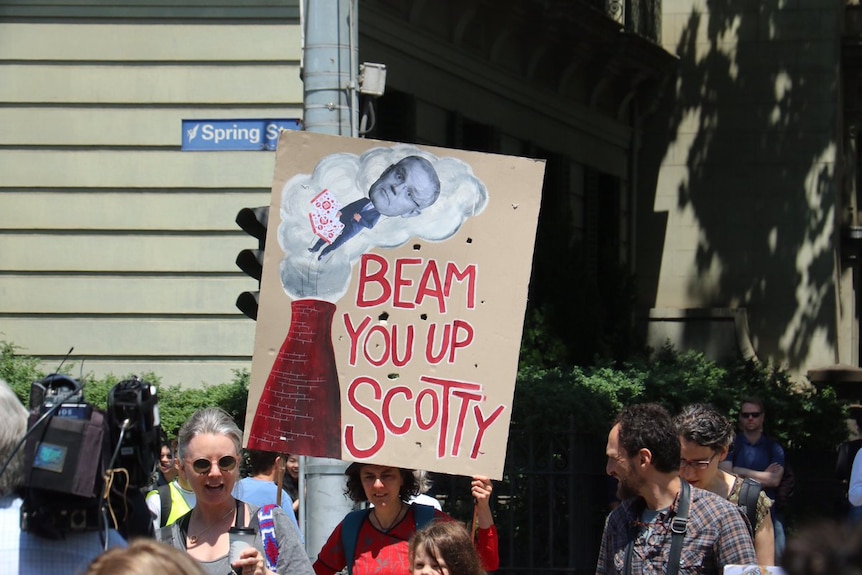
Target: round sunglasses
{"type": "Point", "coordinates": [202, 466]}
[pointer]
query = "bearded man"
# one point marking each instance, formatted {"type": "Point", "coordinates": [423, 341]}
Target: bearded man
{"type": "Point", "coordinates": [644, 457]}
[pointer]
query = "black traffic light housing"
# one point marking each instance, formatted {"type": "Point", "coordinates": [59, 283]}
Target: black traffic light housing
{"type": "Point", "coordinates": [253, 221]}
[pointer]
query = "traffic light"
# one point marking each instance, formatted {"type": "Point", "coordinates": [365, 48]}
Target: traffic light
{"type": "Point", "coordinates": [253, 221]}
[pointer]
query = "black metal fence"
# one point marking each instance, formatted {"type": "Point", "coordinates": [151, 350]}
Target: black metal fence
{"type": "Point", "coordinates": [550, 506]}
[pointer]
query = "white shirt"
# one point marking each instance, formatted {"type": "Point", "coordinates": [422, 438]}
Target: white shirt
{"type": "Point", "coordinates": [423, 499]}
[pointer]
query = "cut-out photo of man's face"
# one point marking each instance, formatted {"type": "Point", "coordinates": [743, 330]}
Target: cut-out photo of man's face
{"type": "Point", "coordinates": [379, 199]}
{"type": "Point", "coordinates": [405, 188]}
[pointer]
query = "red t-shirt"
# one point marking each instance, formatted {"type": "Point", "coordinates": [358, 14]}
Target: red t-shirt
{"type": "Point", "coordinates": [379, 553]}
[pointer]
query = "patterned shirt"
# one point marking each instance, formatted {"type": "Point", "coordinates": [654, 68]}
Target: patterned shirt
{"type": "Point", "coordinates": [717, 535]}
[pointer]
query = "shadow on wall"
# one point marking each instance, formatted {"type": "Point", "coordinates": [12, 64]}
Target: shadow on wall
{"type": "Point", "coordinates": [753, 110]}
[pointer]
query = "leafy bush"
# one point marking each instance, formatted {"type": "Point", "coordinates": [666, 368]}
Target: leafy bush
{"type": "Point", "coordinates": [799, 417]}
{"type": "Point", "coordinates": [176, 404]}
{"type": "Point", "coordinates": [19, 371]}
{"type": "Point", "coordinates": [581, 399]}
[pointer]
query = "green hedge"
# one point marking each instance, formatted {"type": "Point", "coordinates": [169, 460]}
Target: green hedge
{"type": "Point", "coordinates": [800, 417]}
{"type": "Point", "coordinates": [176, 404]}
{"type": "Point", "coordinates": [547, 399]}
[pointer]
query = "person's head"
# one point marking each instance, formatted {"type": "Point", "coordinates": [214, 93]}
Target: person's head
{"type": "Point", "coordinates": [443, 548]}
{"type": "Point", "coordinates": [423, 482]}
{"type": "Point", "coordinates": [292, 466]}
{"type": "Point", "coordinates": [208, 449]}
{"type": "Point", "coordinates": [144, 557]}
{"type": "Point", "coordinates": [379, 484]}
{"type": "Point", "coordinates": [824, 548]}
{"type": "Point", "coordinates": [705, 436]}
{"type": "Point", "coordinates": [12, 430]}
{"type": "Point", "coordinates": [167, 463]}
{"type": "Point", "coordinates": [641, 441]}
{"type": "Point", "coordinates": [261, 461]}
{"type": "Point", "coordinates": [751, 414]}
{"type": "Point", "coordinates": [405, 188]}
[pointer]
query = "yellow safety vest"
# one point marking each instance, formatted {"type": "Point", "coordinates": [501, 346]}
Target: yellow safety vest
{"type": "Point", "coordinates": [174, 505]}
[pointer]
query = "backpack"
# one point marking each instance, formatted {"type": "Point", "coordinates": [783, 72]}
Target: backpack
{"type": "Point", "coordinates": [422, 515]}
{"type": "Point", "coordinates": [173, 535]}
{"type": "Point", "coordinates": [749, 493]}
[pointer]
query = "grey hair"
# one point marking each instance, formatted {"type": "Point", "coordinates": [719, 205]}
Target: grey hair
{"type": "Point", "coordinates": [208, 421]}
{"type": "Point", "coordinates": [705, 425]}
{"type": "Point", "coordinates": [11, 432]}
{"type": "Point", "coordinates": [422, 480]}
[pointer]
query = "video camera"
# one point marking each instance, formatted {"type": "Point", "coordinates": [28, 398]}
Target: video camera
{"type": "Point", "coordinates": [83, 464]}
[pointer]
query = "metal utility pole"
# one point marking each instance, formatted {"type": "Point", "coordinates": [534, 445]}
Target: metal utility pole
{"type": "Point", "coordinates": [330, 105]}
{"type": "Point", "coordinates": [329, 69]}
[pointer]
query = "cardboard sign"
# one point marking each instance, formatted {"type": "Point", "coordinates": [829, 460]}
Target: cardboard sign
{"type": "Point", "coordinates": [392, 303]}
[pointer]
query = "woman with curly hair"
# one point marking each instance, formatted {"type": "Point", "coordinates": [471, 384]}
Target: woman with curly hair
{"type": "Point", "coordinates": [705, 436]}
{"type": "Point", "coordinates": [380, 544]}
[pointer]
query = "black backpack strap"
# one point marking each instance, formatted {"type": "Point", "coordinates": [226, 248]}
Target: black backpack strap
{"type": "Point", "coordinates": [633, 533]}
{"type": "Point", "coordinates": [627, 569]}
{"type": "Point", "coordinates": [239, 518]}
{"type": "Point", "coordinates": [166, 501]}
{"type": "Point", "coordinates": [748, 496]}
{"type": "Point", "coordinates": [678, 526]}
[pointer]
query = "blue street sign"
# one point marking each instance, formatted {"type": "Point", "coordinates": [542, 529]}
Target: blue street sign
{"type": "Point", "coordinates": [230, 135]}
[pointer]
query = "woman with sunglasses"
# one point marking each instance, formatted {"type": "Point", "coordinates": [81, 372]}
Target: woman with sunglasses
{"type": "Point", "coordinates": [208, 451]}
{"type": "Point", "coordinates": [705, 436]}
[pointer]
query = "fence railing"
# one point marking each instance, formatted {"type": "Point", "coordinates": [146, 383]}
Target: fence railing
{"type": "Point", "coordinates": [550, 506]}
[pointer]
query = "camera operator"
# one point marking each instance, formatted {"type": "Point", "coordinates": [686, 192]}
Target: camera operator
{"type": "Point", "coordinates": [25, 552]}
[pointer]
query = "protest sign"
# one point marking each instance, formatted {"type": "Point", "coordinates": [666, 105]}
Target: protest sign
{"type": "Point", "coordinates": [392, 303]}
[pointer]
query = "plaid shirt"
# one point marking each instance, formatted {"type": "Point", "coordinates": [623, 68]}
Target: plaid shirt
{"type": "Point", "coordinates": [717, 535]}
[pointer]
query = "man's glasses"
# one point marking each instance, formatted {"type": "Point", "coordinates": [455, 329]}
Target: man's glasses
{"type": "Point", "coordinates": [750, 414]}
{"type": "Point", "coordinates": [203, 466]}
{"type": "Point", "coordinates": [701, 464]}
